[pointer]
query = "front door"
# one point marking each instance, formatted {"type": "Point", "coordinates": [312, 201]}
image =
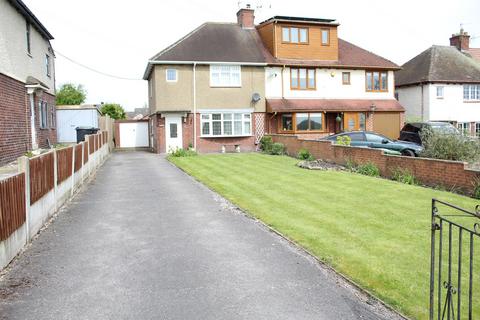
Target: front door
{"type": "Point", "coordinates": [173, 132]}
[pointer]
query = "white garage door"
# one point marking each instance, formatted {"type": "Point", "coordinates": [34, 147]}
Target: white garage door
{"type": "Point", "coordinates": [133, 134]}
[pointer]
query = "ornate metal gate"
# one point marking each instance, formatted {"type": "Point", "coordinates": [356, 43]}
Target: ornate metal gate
{"type": "Point", "coordinates": [455, 232]}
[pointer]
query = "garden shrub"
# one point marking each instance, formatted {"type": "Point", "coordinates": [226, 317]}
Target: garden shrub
{"type": "Point", "coordinates": [456, 147]}
{"type": "Point", "coordinates": [368, 169]}
{"type": "Point", "coordinates": [476, 190]}
{"type": "Point", "coordinates": [277, 149]}
{"type": "Point", "coordinates": [266, 144]}
{"type": "Point", "coordinates": [404, 176]}
{"type": "Point", "coordinates": [344, 140]}
{"type": "Point", "coordinates": [304, 154]}
{"type": "Point", "coordinates": [180, 152]}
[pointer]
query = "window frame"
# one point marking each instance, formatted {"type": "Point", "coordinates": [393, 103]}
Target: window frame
{"type": "Point", "coordinates": [289, 41]}
{"type": "Point", "coordinates": [48, 65]}
{"type": "Point", "coordinates": [470, 91]}
{"type": "Point", "coordinates": [232, 69]}
{"type": "Point", "coordinates": [28, 34]}
{"type": "Point", "coordinates": [207, 118]}
{"type": "Point", "coordinates": [464, 131]}
{"type": "Point", "coordinates": [326, 44]}
{"type": "Point", "coordinates": [309, 130]}
{"type": "Point", "coordinates": [442, 90]}
{"type": "Point", "coordinates": [306, 79]}
{"type": "Point", "coordinates": [166, 74]}
{"type": "Point", "coordinates": [343, 78]}
{"type": "Point", "coordinates": [373, 72]}
{"type": "Point", "coordinates": [43, 114]}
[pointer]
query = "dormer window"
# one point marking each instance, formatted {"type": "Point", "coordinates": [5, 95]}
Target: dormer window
{"type": "Point", "coordinates": [294, 35]}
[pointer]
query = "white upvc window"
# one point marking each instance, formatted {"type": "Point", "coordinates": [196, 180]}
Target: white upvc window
{"type": "Point", "coordinates": [48, 65]}
{"type": "Point", "coordinates": [440, 92]}
{"type": "Point", "coordinates": [226, 124]}
{"type": "Point", "coordinates": [43, 110]}
{"type": "Point", "coordinates": [471, 92]}
{"type": "Point", "coordinates": [225, 76]}
{"type": "Point", "coordinates": [171, 75]}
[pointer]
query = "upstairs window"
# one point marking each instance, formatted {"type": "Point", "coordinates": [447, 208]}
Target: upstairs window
{"type": "Point", "coordinates": [440, 92]}
{"type": "Point", "coordinates": [325, 37]}
{"type": "Point", "coordinates": [171, 75]}
{"type": "Point", "coordinates": [47, 65]}
{"type": "Point", "coordinates": [294, 35]}
{"type": "Point", "coordinates": [225, 76]}
{"type": "Point", "coordinates": [376, 81]}
{"type": "Point", "coordinates": [345, 77]}
{"type": "Point", "coordinates": [471, 92]}
{"type": "Point", "coordinates": [27, 33]}
{"type": "Point", "coordinates": [302, 79]}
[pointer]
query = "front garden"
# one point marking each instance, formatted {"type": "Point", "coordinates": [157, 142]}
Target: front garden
{"type": "Point", "coordinates": [374, 231]}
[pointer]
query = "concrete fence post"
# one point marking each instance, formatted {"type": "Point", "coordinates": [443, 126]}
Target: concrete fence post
{"type": "Point", "coordinates": [73, 170]}
{"type": "Point", "coordinates": [24, 166]}
{"type": "Point", "coordinates": [55, 186]}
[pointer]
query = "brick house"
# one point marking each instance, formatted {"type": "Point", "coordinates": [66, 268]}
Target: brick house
{"type": "Point", "coordinates": [225, 85]}
{"type": "Point", "coordinates": [27, 82]}
{"type": "Point", "coordinates": [443, 84]}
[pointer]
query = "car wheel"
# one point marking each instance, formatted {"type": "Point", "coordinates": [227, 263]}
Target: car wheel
{"type": "Point", "coordinates": [408, 153]}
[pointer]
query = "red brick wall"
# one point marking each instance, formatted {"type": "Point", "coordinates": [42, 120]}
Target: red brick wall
{"type": "Point", "coordinates": [50, 132]}
{"type": "Point", "coordinates": [14, 120]}
{"type": "Point", "coordinates": [204, 145]}
{"type": "Point", "coordinates": [431, 172]}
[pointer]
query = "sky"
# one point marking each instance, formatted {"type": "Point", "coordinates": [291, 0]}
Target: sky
{"type": "Point", "coordinates": [118, 37]}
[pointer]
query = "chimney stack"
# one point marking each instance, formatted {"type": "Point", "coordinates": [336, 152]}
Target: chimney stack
{"type": "Point", "coordinates": [246, 18]}
{"type": "Point", "coordinates": [460, 40]}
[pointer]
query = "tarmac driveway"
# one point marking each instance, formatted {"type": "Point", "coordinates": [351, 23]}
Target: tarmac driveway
{"type": "Point", "coordinates": [146, 241]}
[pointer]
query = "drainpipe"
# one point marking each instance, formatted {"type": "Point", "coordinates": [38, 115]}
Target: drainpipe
{"type": "Point", "coordinates": [194, 107]}
{"type": "Point", "coordinates": [421, 104]}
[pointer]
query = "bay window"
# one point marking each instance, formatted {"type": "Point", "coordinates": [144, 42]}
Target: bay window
{"type": "Point", "coordinates": [309, 121]}
{"type": "Point", "coordinates": [225, 76]}
{"type": "Point", "coordinates": [226, 124]}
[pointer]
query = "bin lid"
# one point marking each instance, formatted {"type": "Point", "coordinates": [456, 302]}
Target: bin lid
{"type": "Point", "coordinates": [86, 128]}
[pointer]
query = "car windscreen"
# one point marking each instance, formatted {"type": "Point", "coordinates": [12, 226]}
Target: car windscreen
{"type": "Point", "coordinates": [445, 129]}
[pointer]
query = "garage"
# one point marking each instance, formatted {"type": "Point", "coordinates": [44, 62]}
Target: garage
{"type": "Point", "coordinates": [132, 134]}
{"type": "Point", "coordinates": [387, 123]}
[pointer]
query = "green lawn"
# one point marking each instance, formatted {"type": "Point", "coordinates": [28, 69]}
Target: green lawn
{"type": "Point", "coordinates": [374, 231]}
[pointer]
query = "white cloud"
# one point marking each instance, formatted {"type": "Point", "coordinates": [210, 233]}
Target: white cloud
{"type": "Point", "coordinates": [118, 37]}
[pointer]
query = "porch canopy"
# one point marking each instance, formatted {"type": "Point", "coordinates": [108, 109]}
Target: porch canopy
{"type": "Point", "coordinates": [333, 105]}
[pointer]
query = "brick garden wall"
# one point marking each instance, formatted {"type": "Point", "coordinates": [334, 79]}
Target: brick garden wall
{"type": "Point", "coordinates": [450, 174]}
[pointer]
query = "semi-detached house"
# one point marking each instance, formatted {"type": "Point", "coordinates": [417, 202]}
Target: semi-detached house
{"type": "Point", "coordinates": [27, 82]}
{"type": "Point", "coordinates": [225, 85]}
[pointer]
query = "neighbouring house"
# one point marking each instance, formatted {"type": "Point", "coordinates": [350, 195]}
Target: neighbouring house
{"type": "Point", "coordinates": [442, 84]}
{"type": "Point", "coordinates": [27, 82]}
{"type": "Point", "coordinates": [69, 117]}
{"type": "Point", "coordinates": [224, 85]}
{"type": "Point", "coordinates": [137, 114]}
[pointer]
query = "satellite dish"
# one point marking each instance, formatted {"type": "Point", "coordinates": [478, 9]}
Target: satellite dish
{"type": "Point", "coordinates": [256, 97]}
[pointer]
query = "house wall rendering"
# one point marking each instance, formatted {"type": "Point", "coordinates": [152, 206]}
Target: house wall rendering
{"type": "Point", "coordinates": [27, 81]}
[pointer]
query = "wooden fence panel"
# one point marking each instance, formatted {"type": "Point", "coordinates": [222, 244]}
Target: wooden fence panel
{"type": "Point", "coordinates": [91, 144]}
{"type": "Point", "coordinates": [41, 176]}
{"type": "Point", "coordinates": [64, 164]}
{"type": "Point", "coordinates": [78, 157]}
{"type": "Point", "coordinates": [85, 152]}
{"type": "Point", "coordinates": [12, 205]}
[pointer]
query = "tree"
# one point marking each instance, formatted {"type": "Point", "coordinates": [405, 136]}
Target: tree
{"type": "Point", "coordinates": [69, 94]}
{"type": "Point", "coordinates": [114, 110]}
